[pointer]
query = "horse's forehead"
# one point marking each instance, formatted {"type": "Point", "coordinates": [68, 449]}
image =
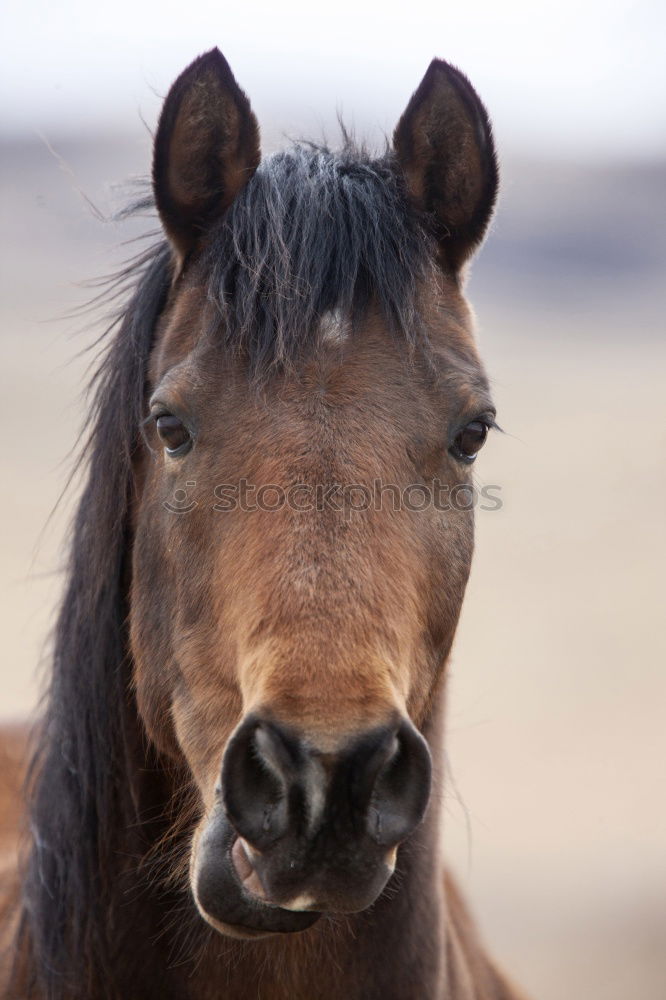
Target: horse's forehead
{"type": "Point", "coordinates": [190, 322]}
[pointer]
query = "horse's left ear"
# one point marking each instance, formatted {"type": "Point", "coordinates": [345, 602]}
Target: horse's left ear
{"type": "Point", "coordinates": [206, 150]}
{"type": "Point", "coordinates": [444, 145]}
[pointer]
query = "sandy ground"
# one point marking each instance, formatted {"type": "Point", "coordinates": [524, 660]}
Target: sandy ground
{"type": "Point", "coordinates": [556, 816]}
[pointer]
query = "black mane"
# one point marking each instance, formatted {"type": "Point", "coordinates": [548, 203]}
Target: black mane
{"type": "Point", "coordinates": [315, 231]}
{"type": "Point", "coordinates": [312, 231]}
{"type": "Point", "coordinates": [79, 793]}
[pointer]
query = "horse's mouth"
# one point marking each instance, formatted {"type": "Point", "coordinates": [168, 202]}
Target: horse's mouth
{"type": "Point", "coordinates": [240, 856]}
{"type": "Point", "coordinates": [242, 859]}
{"type": "Point", "coordinates": [229, 894]}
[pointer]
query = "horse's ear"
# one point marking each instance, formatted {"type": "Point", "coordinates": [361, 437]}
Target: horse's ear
{"type": "Point", "coordinates": [444, 145]}
{"type": "Point", "coordinates": [206, 149]}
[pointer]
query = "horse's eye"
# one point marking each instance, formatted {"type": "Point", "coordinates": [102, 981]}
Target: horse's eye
{"type": "Point", "coordinates": [469, 441]}
{"type": "Point", "coordinates": [173, 434]}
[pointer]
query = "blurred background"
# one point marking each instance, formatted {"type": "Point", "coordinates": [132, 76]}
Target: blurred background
{"type": "Point", "coordinates": [556, 812]}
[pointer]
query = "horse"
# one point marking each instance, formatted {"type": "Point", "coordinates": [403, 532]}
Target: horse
{"type": "Point", "coordinates": [236, 787]}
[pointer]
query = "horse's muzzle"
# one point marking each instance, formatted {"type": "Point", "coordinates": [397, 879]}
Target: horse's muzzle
{"type": "Point", "coordinates": [297, 832]}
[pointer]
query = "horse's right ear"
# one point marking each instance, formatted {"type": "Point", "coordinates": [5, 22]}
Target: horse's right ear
{"type": "Point", "coordinates": [206, 150]}
{"type": "Point", "coordinates": [444, 145]}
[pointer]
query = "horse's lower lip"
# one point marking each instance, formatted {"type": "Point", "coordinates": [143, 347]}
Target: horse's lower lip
{"type": "Point", "coordinates": [224, 899]}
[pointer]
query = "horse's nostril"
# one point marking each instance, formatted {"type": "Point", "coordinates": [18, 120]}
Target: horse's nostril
{"type": "Point", "coordinates": [388, 774]}
{"type": "Point", "coordinates": [272, 786]}
{"type": "Point", "coordinates": [401, 789]}
{"type": "Point", "coordinates": [260, 768]}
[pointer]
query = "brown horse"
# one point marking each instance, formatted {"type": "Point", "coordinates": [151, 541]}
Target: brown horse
{"type": "Point", "coordinates": [237, 787]}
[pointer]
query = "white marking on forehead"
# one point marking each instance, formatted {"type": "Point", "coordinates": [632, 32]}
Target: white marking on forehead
{"type": "Point", "coordinates": [334, 327]}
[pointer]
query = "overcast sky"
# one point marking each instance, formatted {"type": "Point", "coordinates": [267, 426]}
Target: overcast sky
{"type": "Point", "coordinates": [577, 78]}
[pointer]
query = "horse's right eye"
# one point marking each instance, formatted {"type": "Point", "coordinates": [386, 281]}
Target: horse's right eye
{"type": "Point", "coordinates": [173, 433]}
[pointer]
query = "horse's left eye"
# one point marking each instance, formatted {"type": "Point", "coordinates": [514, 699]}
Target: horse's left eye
{"type": "Point", "coordinates": [469, 441]}
{"type": "Point", "coordinates": [173, 434]}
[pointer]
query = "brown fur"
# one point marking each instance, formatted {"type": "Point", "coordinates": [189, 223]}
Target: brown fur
{"type": "Point", "coordinates": [332, 625]}
{"type": "Point", "coordinates": [14, 741]}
